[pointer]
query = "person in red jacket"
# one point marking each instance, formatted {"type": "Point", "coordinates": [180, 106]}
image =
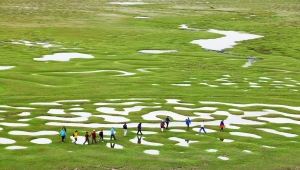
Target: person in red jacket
{"type": "Point", "coordinates": [87, 138]}
{"type": "Point", "coordinates": [162, 126]}
{"type": "Point", "coordinates": [94, 136]}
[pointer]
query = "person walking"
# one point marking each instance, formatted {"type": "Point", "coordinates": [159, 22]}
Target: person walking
{"type": "Point", "coordinates": [188, 122]}
{"type": "Point", "coordinates": [101, 135]}
{"type": "Point", "coordinates": [162, 126]}
{"type": "Point", "coordinates": [202, 127]}
{"type": "Point", "coordinates": [86, 138]}
{"type": "Point", "coordinates": [112, 133]}
{"type": "Point", "coordinates": [125, 128]}
{"type": "Point", "coordinates": [139, 129]}
{"type": "Point", "coordinates": [62, 134]}
{"type": "Point", "coordinates": [222, 125]}
{"type": "Point", "coordinates": [65, 131]}
{"type": "Point", "coordinates": [167, 121]}
{"type": "Point", "coordinates": [75, 135]}
{"type": "Point", "coordinates": [93, 136]}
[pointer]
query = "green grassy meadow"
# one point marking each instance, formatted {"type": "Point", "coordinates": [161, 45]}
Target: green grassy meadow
{"type": "Point", "coordinates": [113, 36]}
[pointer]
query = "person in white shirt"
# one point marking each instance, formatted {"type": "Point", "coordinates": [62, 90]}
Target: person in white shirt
{"type": "Point", "coordinates": [202, 127]}
{"type": "Point", "coordinates": [125, 128]}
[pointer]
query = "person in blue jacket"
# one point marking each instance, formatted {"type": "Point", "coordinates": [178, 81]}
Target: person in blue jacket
{"type": "Point", "coordinates": [222, 125]}
{"type": "Point", "coordinates": [62, 134]}
{"type": "Point", "coordinates": [188, 122]}
{"type": "Point", "coordinates": [167, 121]}
{"type": "Point", "coordinates": [112, 134]}
{"type": "Point", "coordinates": [139, 129]}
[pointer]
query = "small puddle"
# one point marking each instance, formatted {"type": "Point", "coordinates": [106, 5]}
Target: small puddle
{"type": "Point", "coordinates": [247, 151]}
{"type": "Point", "coordinates": [177, 101]}
{"type": "Point", "coordinates": [28, 43]}
{"type": "Point", "coordinates": [122, 73]}
{"type": "Point", "coordinates": [114, 146]}
{"type": "Point", "coordinates": [279, 120]}
{"type": "Point", "coordinates": [185, 27]}
{"type": "Point", "coordinates": [113, 119]}
{"type": "Point", "coordinates": [82, 114]}
{"type": "Point", "coordinates": [265, 146]}
{"type": "Point", "coordinates": [146, 132]}
{"type": "Point", "coordinates": [177, 130]}
{"type": "Point", "coordinates": [277, 132]}
{"type": "Point", "coordinates": [71, 101]}
{"type": "Point", "coordinates": [14, 124]}
{"type": "Point", "coordinates": [153, 115]}
{"type": "Point", "coordinates": [146, 69]}
{"type": "Point", "coordinates": [223, 158]}
{"type": "Point", "coordinates": [71, 119]}
{"type": "Point", "coordinates": [41, 141]}
{"type": "Point", "coordinates": [24, 120]}
{"type": "Point", "coordinates": [182, 142]}
{"type": "Point", "coordinates": [228, 41]}
{"type": "Point", "coordinates": [157, 51]}
{"type": "Point", "coordinates": [121, 104]}
{"type": "Point", "coordinates": [200, 108]}
{"type": "Point", "coordinates": [141, 17]}
{"type": "Point", "coordinates": [245, 134]}
{"type": "Point", "coordinates": [140, 140]}
{"type": "Point", "coordinates": [184, 85]}
{"type": "Point", "coordinates": [129, 3]}
{"type": "Point", "coordinates": [24, 114]}
{"type": "Point", "coordinates": [228, 84]}
{"type": "Point", "coordinates": [109, 110]}
{"type": "Point", "coordinates": [40, 133]}
{"type": "Point", "coordinates": [46, 103]}
{"type": "Point", "coordinates": [63, 57]}
{"type": "Point", "coordinates": [56, 111]}
{"type": "Point", "coordinates": [16, 147]}
{"type": "Point", "coordinates": [151, 152]}
{"type": "Point", "coordinates": [252, 105]}
{"type": "Point", "coordinates": [76, 109]}
{"type": "Point", "coordinates": [211, 150]}
{"type": "Point", "coordinates": [6, 141]}
{"type": "Point", "coordinates": [21, 108]}
{"type": "Point", "coordinates": [6, 67]}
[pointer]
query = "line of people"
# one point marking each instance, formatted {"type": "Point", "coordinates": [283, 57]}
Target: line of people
{"type": "Point", "coordinates": [139, 128]}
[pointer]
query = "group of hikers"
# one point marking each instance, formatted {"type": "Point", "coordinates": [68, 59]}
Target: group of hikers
{"type": "Point", "coordinates": [63, 131]}
{"type": "Point", "coordinates": [188, 122]}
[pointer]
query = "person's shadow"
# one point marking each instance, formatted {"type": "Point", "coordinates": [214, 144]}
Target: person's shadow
{"type": "Point", "coordinates": [112, 145]}
{"type": "Point", "coordinates": [139, 139]}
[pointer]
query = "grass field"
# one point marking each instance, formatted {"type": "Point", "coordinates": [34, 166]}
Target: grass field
{"type": "Point", "coordinates": [111, 34]}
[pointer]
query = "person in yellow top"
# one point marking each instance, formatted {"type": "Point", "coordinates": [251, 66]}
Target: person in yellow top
{"type": "Point", "coordinates": [75, 135]}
